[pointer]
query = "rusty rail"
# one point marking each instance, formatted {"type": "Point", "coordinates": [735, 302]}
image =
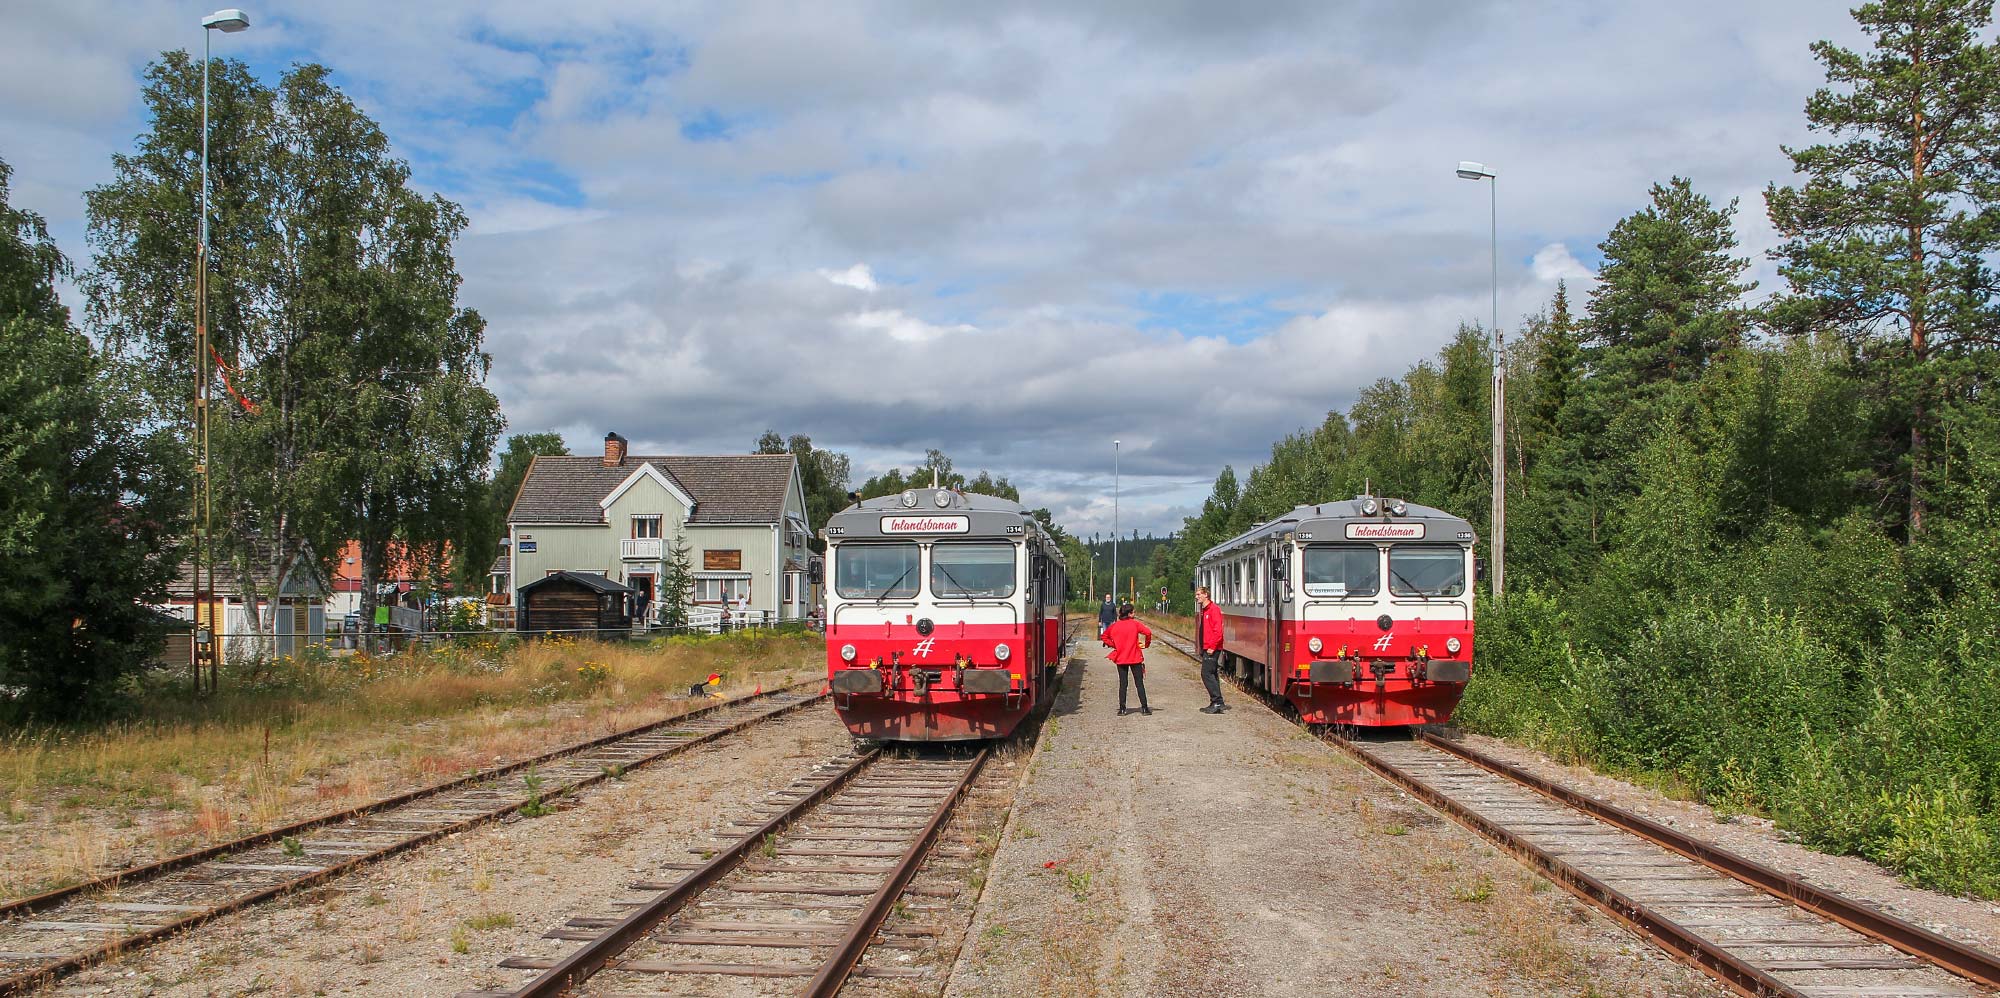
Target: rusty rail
{"type": "Point", "coordinates": [1972, 964]}
{"type": "Point", "coordinates": [1949, 954]}
{"type": "Point", "coordinates": [592, 956]}
{"type": "Point", "coordinates": [833, 973]}
{"type": "Point", "coordinates": [42, 974]}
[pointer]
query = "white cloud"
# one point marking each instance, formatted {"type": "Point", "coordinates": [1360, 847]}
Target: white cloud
{"type": "Point", "coordinates": [1059, 198]}
{"type": "Point", "coordinates": [857, 277]}
{"type": "Point", "coordinates": [1554, 262]}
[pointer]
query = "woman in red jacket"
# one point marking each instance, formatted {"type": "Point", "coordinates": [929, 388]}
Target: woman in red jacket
{"type": "Point", "coordinates": [1127, 640]}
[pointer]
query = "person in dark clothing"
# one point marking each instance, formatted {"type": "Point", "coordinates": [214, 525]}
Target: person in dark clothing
{"type": "Point", "coordinates": [1106, 615]}
{"type": "Point", "coordinates": [1209, 638]}
{"type": "Point", "coordinates": [1127, 639]}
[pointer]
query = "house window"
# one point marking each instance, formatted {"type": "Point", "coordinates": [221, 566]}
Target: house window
{"type": "Point", "coordinates": [646, 525]}
{"type": "Point", "coordinates": [721, 590]}
{"type": "Point", "coordinates": [791, 587]}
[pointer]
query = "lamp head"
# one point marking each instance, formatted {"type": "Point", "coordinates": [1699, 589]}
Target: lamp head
{"type": "Point", "coordinates": [229, 21]}
{"type": "Point", "coordinates": [1469, 170]}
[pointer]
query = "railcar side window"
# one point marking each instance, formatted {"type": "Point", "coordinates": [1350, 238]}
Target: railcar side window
{"type": "Point", "coordinates": [875, 571]}
{"type": "Point", "coordinates": [972, 570]}
{"type": "Point", "coordinates": [1354, 570]}
{"type": "Point", "coordinates": [1426, 571]}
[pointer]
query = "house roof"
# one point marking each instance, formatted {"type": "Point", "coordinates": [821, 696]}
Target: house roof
{"type": "Point", "coordinates": [303, 572]}
{"type": "Point", "coordinates": [401, 566]}
{"type": "Point", "coordinates": [588, 580]}
{"type": "Point", "coordinates": [503, 564]}
{"type": "Point", "coordinates": [732, 488]}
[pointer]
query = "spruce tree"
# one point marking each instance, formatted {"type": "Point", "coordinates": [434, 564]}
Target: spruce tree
{"type": "Point", "coordinates": [1889, 238]}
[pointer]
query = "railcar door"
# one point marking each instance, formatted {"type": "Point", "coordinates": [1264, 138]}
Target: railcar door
{"type": "Point", "coordinates": [1274, 583]}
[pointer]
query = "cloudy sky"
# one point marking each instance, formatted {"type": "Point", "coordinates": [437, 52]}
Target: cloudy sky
{"type": "Point", "coordinates": [1013, 230]}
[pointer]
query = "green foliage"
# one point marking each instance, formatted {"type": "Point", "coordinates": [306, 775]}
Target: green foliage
{"type": "Point", "coordinates": [823, 474]}
{"type": "Point", "coordinates": [494, 499]}
{"type": "Point", "coordinates": [357, 406]}
{"type": "Point", "coordinates": [676, 594]}
{"type": "Point", "coordinates": [936, 466]}
{"type": "Point", "coordinates": [83, 498]}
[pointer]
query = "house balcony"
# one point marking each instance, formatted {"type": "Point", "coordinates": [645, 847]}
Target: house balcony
{"type": "Point", "coordinates": [642, 549]}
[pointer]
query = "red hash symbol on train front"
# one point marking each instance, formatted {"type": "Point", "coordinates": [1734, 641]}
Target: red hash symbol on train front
{"type": "Point", "coordinates": [1382, 643]}
{"type": "Point", "coordinates": [923, 649]}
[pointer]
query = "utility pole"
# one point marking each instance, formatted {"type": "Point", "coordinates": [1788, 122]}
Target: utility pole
{"type": "Point", "coordinates": [1114, 519]}
{"type": "Point", "coordinates": [1497, 544]}
{"type": "Point", "coordinates": [201, 556]}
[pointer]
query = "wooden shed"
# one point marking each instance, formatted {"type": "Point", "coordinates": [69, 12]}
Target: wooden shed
{"type": "Point", "coordinates": [573, 601]}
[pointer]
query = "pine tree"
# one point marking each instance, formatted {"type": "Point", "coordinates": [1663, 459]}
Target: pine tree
{"type": "Point", "coordinates": [1889, 239]}
{"type": "Point", "coordinates": [1667, 296]}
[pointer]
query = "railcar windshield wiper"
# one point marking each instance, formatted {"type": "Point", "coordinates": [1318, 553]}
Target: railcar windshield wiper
{"type": "Point", "coordinates": [963, 589]}
{"type": "Point", "coordinates": [1413, 590]}
{"type": "Point", "coordinates": [891, 587]}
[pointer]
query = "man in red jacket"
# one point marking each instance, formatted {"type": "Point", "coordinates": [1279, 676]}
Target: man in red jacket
{"type": "Point", "coordinates": [1128, 639]}
{"type": "Point", "coordinates": [1209, 635]}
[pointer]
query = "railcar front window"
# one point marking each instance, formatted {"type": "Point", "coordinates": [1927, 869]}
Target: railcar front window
{"type": "Point", "coordinates": [1343, 571]}
{"type": "Point", "coordinates": [876, 571]}
{"type": "Point", "coordinates": [1426, 571]}
{"type": "Point", "coordinates": [972, 571]}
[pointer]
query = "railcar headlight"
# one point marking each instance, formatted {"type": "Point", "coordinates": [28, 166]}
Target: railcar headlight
{"type": "Point", "coordinates": [847, 653]}
{"type": "Point", "coordinates": [1398, 508]}
{"type": "Point", "coordinates": [1452, 645]}
{"type": "Point", "coordinates": [1369, 507]}
{"type": "Point", "coordinates": [1315, 646]}
{"type": "Point", "coordinates": [909, 499]}
{"type": "Point", "coordinates": [1002, 652]}
{"type": "Point", "coordinates": [943, 499]}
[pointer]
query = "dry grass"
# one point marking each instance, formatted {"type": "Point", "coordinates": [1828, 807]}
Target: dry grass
{"type": "Point", "coordinates": [300, 737]}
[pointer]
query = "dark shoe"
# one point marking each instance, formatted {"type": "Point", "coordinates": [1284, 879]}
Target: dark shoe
{"type": "Point", "coordinates": [1122, 712]}
{"type": "Point", "coordinates": [1222, 706]}
{"type": "Point", "coordinates": [1148, 711]}
{"type": "Point", "coordinates": [1214, 708]}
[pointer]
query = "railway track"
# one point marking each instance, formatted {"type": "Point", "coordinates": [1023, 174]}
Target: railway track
{"type": "Point", "coordinates": [801, 891]}
{"type": "Point", "coordinates": [59, 932]}
{"type": "Point", "coordinates": [1755, 929]}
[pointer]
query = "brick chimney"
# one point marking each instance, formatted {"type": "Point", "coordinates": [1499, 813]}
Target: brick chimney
{"type": "Point", "coordinates": [614, 450]}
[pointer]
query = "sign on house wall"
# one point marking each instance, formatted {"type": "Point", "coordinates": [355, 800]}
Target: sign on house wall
{"type": "Point", "coordinates": [722, 561]}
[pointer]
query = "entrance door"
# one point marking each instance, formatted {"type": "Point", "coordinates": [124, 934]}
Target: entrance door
{"type": "Point", "coordinates": [643, 582]}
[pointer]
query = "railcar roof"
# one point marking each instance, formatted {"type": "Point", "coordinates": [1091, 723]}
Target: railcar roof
{"type": "Point", "coordinates": [986, 516]}
{"type": "Point", "coordinates": [1333, 517]}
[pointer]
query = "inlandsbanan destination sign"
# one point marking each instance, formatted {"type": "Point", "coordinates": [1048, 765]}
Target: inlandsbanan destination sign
{"type": "Point", "coordinates": [926, 524]}
{"type": "Point", "coordinates": [1385, 531]}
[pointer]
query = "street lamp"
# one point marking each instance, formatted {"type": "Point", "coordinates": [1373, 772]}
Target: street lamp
{"type": "Point", "coordinates": [1114, 521]}
{"type": "Point", "coordinates": [202, 557]}
{"type": "Point", "coordinates": [1498, 543]}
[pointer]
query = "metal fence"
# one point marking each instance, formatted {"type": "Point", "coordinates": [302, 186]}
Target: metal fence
{"type": "Point", "coordinates": [246, 645]}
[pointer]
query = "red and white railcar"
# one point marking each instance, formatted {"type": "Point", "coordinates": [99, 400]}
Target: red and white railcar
{"type": "Point", "coordinates": [944, 616]}
{"type": "Point", "coordinates": [1359, 612]}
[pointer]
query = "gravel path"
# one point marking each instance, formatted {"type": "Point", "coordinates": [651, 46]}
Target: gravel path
{"type": "Point", "coordinates": [1198, 855]}
{"type": "Point", "coordinates": [436, 921]}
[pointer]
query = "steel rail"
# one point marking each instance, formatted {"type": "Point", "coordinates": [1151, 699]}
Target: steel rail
{"type": "Point", "coordinates": [834, 972]}
{"type": "Point", "coordinates": [1942, 951]}
{"type": "Point", "coordinates": [42, 974]}
{"type": "Point", "coordinates": [1664, 932]}
{"type": "Point", "coordinates": [1968, 962]}
{"type": "Point", "coordinates": [593, 955]}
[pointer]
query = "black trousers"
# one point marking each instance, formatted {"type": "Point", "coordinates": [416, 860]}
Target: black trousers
{"type": "Point", "coordinates": [1137, 674]}
{"type": "Point", "coordinates": [1211, 677]}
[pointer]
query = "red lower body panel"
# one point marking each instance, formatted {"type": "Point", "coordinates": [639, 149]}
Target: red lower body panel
{"type": "Point", "coordinates": [899, 719]}
{"type": "Point", "coordinates": [1361, 705]}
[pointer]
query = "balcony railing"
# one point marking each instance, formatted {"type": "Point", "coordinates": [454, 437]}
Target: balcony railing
{"type": "Point", "coordinates": [642, 549]}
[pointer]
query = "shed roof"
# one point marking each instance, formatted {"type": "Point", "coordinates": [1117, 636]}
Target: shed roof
{"type": "Point", "coordinates": [728, 488]}
{"type": "Point", "coordinates": [588, 580]}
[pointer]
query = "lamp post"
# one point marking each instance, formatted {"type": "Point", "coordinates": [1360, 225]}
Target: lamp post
{"type": "Point", "coordinates": [202, 650]}
{"type": "Point", "coordinates": [1498, 544]}
{"type": "Point", "coordinates": [1114, 521]}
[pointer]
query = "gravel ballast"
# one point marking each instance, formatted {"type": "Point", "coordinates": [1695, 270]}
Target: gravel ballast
{"type": "Point", "coordinates": [1234, 854]}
